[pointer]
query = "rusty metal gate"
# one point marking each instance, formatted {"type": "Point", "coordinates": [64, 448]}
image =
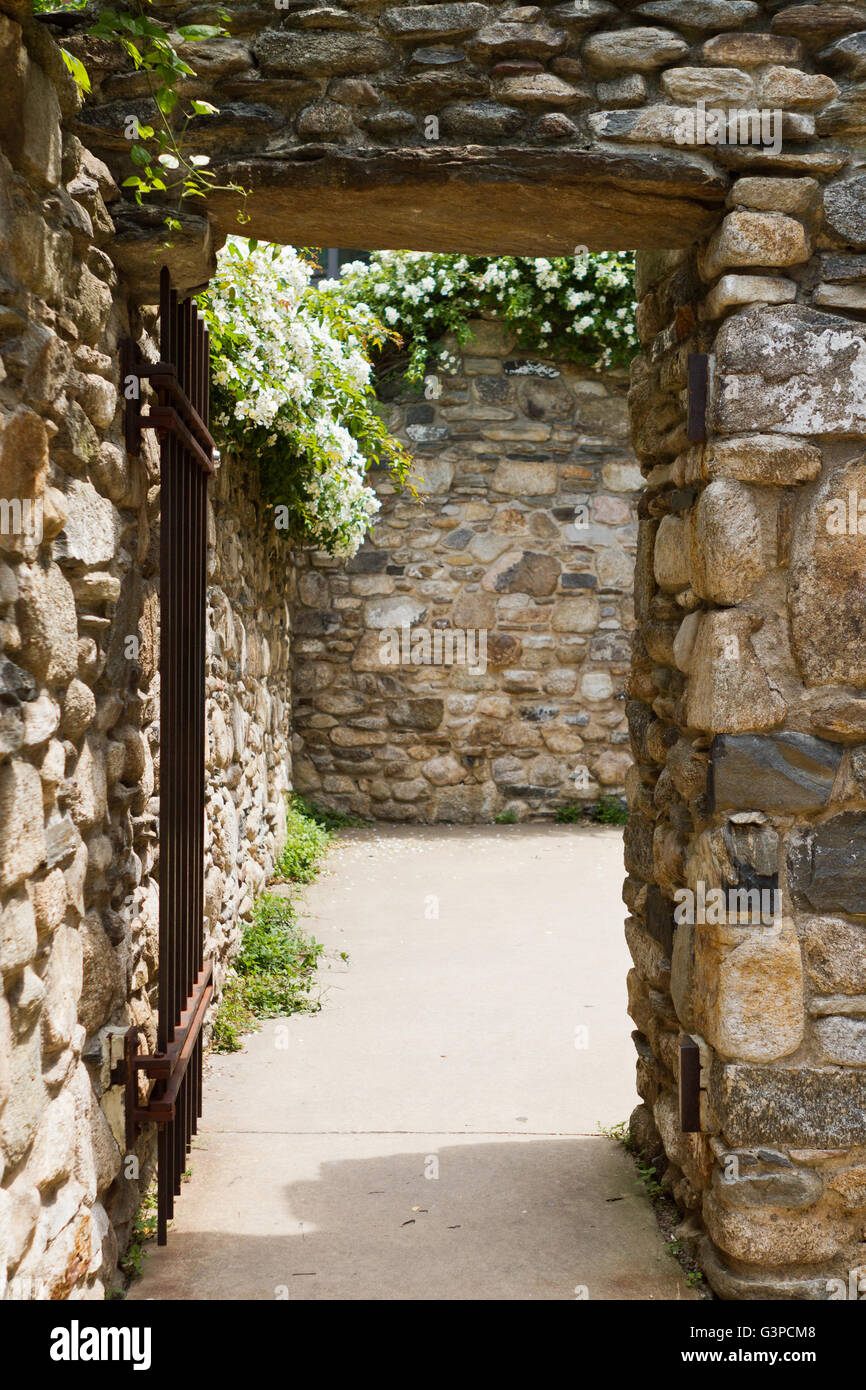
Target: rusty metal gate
{"type": "Point", "coordinates": [181, 382]}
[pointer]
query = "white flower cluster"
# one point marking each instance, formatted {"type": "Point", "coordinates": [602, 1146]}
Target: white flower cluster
{"type": "Point", "coordinates": [583, 305]}
{"type": "Point", "coordinates": [288, 374]}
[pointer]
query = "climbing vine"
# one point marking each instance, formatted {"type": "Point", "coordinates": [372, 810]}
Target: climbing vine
{"type": "Point", "coordinates": [292, 385]}
{"type": "Point", "coordinates": [162, 162]}
{"type": "Point", "coordinates": [581, 306]}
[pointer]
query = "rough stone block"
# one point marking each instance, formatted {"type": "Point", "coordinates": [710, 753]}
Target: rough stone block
{"type": "Point", "coordinates": [842, 1040]}
{"type": "Point", "coordinates": [845, 210]}
{"type": "Point", "coordinates": [782, 773]}
{"type": "Point", "coordinates": [732, 540]}
{"type": "Point", "coordinates": [513, 40]}
{"type": "Point", "coordinates": [713, 85]}
{"type": "Point", "coordinates": [335, 54]}
{"type": "Point", "coordinates": [805, 1106]}
{"type": "Point", "coordinates": [827, 865]}
{"type": "Point", "coordinates": [633, 50]}
{"type": "Point", "coordinates": [748, 238]}
{"type": "Point", "coordinates": [671, 554]}
{"type": "Point", "coordinates": [771, 460]}
{"type": "Point", "coordinates": [834, 954]}
{"type": "Point", "coordinates": [728, 690]}
{"type": "Point", "coordinates": [793, 370]}
{"type": "Point", "coordinates": [828, 552]}
{"type": "Point", "coordinates": [21, 833]}
{"type": "Point", "coordinates": [771, 1237]}
{"type": "Point", "coordinates": [705, 16]}
{"type": "Point", "coordinates": [734, 290]}
{"type": "Point", "coordinates": [752, 50]}
{"type": "Point", "coordinates": [748, 990]}
{"type": "Point", "coordinates": [790, 89]}
{"type": "Point", "coordinates": [793, 196]}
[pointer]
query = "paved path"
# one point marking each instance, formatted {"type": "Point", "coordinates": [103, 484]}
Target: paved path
{"type": "Point", "coordinates": [446, 1046]}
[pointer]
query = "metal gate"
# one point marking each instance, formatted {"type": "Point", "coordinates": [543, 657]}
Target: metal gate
{"type": "Point", "coordinates": [181, 381]}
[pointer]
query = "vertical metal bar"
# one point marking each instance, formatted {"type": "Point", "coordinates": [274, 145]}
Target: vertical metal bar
{"type": "Point", "coordinates": [184, 344]}
{"type": "Point", "coordinates": [175, 683]}
{"type": "Point", "coordinates": [164, 654]}
{"type": "Point", "coordinates": [188, 676]}
{"type": "Point", "coordinates": [166, 973]}
{"type": "Point", "coordinates": [192, 471]}
{"type": "Point", "coordinates": [162, 1213]}
{"type": "Point", "coordinates": [172, 677]}
{"type": "Point", "coordinates": [196, 387]}
{"type": "Point", "coordinates": [204, 411]}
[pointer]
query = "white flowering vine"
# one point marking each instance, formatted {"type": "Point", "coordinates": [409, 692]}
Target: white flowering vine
{"type": "Point", "coordinates": [581, 306]}
{"type": "Point", "coordinates": [292, 385]}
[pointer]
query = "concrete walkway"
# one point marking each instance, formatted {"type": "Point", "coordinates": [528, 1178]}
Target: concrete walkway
{"type": "Point", "coordinates": [432, 1133]}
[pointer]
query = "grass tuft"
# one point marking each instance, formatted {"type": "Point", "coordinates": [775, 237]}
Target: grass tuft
{"type": "Point", "coordinates": [307, 840]}
{"type": "Point", "coordinates": [608, 810]}
{"type": "Point", "coordinates": [273, 973]}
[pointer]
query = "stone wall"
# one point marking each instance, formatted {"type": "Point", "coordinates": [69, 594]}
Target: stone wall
{"type": "Point", "coordinates": [748, 721]}
{"type": "Point", "coordinates": [79, 702]}
{"type": "Point", "coordinates": [570, 109]}
{"type": "Point", "coordinates": [519, 550]}
{"type": "Point", "coordinates": [747, 703]}
{"type": "Point", "coordinates": [77, 821]}
{"type": "Point", "coordinates": [249, 761]}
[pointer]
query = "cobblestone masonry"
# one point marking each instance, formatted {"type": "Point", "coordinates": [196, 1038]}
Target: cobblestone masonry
{"type": "Point", "coordinates": [79, 692]}
{"type": "Point", "coordinates": [519, 550]}
{"type": "Point", "coordinates": [747, 689]}
{"type": "Point", "coordinates": [391, 122]}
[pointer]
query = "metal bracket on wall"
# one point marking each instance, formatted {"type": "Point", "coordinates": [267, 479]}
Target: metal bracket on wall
{"type": "Point", "coordinates": [698, 380]}
{"type": "Point", "coordinates": [174, 412]}
{"type": "Point", "coordinates": [690, 1086]}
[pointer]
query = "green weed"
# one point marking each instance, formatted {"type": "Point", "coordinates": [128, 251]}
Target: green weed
{"type": "Point", "coordinates": [274, 973]}
{"type": "Point", "coordinates": [306, 843]}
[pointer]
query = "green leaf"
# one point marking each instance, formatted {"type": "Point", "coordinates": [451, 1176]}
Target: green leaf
{"type": "Point", "coordinates": [139, 154]}
{"type": "Point", "coordinates": [77, 69]}
{"type": "Point", "coordinates": [166, 100]}
{"type": "Point", "coordinates": [105, 26]}
{"type": "Point", "coordinates": [133, 51]}
{"type": "Point", "coordinates": [193, 33]}
{"type": "Point", "coordinates": [152, 31]}
{"type": "Point", "coordinates": [159, 53]}
{"type": "Point", "coordinates": [204, 108]}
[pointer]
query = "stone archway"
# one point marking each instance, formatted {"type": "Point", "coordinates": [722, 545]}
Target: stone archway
{"type": "Point", "coordinates": [556, 129]}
